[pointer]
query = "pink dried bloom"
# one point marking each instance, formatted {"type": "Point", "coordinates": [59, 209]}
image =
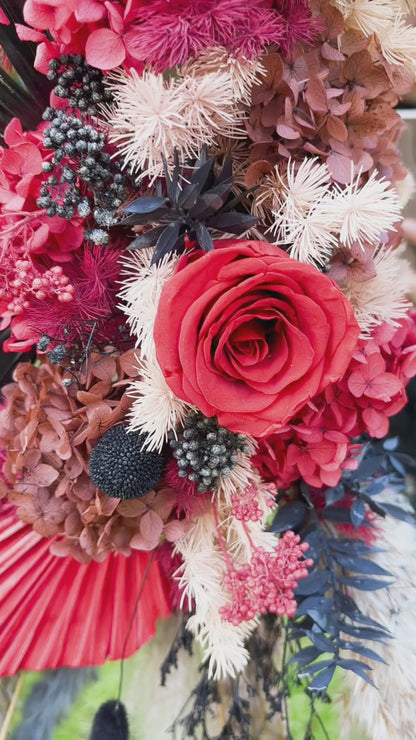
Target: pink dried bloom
{"type": "Point", "coordinates": [245, 506]}
{"type": "Point", "coordinates": [266, 583]}
{"type": "Point", "coordinates": [171, 32]}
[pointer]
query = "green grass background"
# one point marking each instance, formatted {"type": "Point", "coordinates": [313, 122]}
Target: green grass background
{"type": "Point", "coordinates": [77, 724]}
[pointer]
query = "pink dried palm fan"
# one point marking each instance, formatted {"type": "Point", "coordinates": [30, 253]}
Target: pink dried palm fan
{"type": "Point", "coordinates": [55, 611]}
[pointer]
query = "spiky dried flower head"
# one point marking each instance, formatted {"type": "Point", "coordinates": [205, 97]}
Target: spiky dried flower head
{"type": "Point", "coordinates": [382, 298]}
{"type": "Point", "coordinates": [155, 410]}
{"type": "Point", "coordinates": [314, 215]}
{"type": "Point", "coordinates": [142, 285]}
{"type": "Point", "coordinates": [152, 117]}
{"type": "Point", "coordinates": [120, 468]}
{"type": "Point", "coordinates": [243, 72]}
{"type": "Point", "coordinates": [385, 20]}
{"type": "Point", "coordinates": [368, 16]}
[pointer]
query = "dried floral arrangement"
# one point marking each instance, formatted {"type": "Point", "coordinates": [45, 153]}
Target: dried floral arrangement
{"type": "Point", "coordinates": [204, 311]}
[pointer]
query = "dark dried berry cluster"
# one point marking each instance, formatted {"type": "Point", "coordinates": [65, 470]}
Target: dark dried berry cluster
{"type": "Point", "coordinates": [204, 450]}
{"type": "Point", "coordinates": [119, 467]}
{"type": "Point", "coordinates": [83, 179]}
{"type": "Point", "coordinates": [83, 86]}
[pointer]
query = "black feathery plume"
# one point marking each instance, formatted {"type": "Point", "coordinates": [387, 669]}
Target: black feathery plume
{"type": "Point", "coordinates": [110, 722]}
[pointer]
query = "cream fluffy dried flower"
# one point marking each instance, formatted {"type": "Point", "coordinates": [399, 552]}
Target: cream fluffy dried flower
{"type": "Point", "coordinates": [152, 117]}
{"type": "Point", "coordinates": [155, 410]}
{"type": "Point", "coordinates": [201, 579]}
{"type": "Point", "coordinates": [142, 285]}
{"type": "Point", "coordinates": [314, 216]}
{"type": "Point", "coordinates": [385, 19]}
{"type": "Point", "coordinates": [383, 297]}
{"type": "Point", "coordinates": [243, 73]}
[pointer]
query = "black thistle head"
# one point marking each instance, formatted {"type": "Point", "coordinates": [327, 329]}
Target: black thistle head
{"type": "Point", "coordinates": [119, 467]}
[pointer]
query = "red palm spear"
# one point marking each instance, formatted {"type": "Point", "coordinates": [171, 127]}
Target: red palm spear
{"type": "Point", "coordinates": [57, 612]}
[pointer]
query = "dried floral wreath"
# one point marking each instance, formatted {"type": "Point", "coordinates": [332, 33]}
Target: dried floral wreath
{"type": "Point", "coordinates": [203, 288]}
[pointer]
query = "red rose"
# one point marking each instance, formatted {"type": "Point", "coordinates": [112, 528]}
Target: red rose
{"type": "Point", "coordinates": [247, 334]}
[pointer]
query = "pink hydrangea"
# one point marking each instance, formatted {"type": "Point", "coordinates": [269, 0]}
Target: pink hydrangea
{"type": "Point", "coordinates": [317, 446]}
{"type": "Point", "coordinates": [99, 30]}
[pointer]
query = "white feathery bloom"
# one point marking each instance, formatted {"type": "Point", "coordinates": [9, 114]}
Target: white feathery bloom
{"type": "Point", "coordinates": [368, 16]}
{"type": "Point", "coordinates": [383, 297]}
{"type": "Point", "coordinates": [151, 117]}
{"type": "Point", "coordinates": [155, 410]}
{"type": "Point", "coordinates": [398, 43]}
{"type": "Point", "coordinates": [209, 108]}
{"type": "Point", "coordinates": [201, 578]}
{"type": "Point", "coordinates": [146, 121]}
{"type": "Point", "coordinates": [314, 215]}
{"type": "Point", "coordinates": [223, 642]}
{"type": "Point", "coordinates": [389, 713]}
{"type": "Point", "coordinates": [300, 220]}
{"type": "Point", "coordinates": [142, 285]}
{"type": "Point", "coordinates": [241, 476]}
{"type": "Point", "coordinates": [243, 73]}
{"type": "Point", "coordinates": [305, 186]}
{"type": "Point", "coordinates": [311, 236]}
{"type": "Point", "coordinates": [364, 212]}
{"type": "Point", "coordinates": [406, 188]}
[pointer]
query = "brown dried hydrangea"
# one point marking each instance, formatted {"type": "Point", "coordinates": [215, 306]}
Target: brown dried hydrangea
{"type": "Point", "coordinates": [334, 101]}
{"type": "Point", "coordinates": [48, 432]}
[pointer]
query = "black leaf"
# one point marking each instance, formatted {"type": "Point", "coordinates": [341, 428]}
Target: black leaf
{"type": "Point", "coordinates": [337, 514]}
{"type": "Point", "coordinates": [369, 466]}
{"type": "Point", "coordinates": [350, 546]}
{"type": "Point", "coordinates": [232, 222]}
{"type": "Point", "coordinates": [391, 444]}
{"type": "Point", "coordinates": [377, 486]}
{"type": "Point", "coordinates": [360, 565]}
{"type": "Point", "coordinates": [188, 197]}
{"type": "Point", "coordinates": [324, 644]}
{"type": "Point", "coordinates": [357, 667]}
{"type": "Point", "coordinates": [346, 605]}
{"type": "Point", "coordinates": [147, 204]}
{"type": "Point", "coordinates": [305, 656]}
{"type": "Point", "coordinates": [365, 633]}
{"type": "Point", "coordinates": [166, 241]}
{"type": "Point", "coordinates": [364, 584]}
{"type": "Point", "coordinates": [316, 582]}
{"type": "Point", "coordinates": [206, 205]}
{"type": "Point", "coordinates": [357, 513]}
{"type": "Point", "coordinates": [332, 495]}
{"type": "Point", "coordinates": [315, 668]}
{"type": "Point", "coordinates": [202, 175]}
{"type": "Point", "coordinates": [360, 649]}
{"type": "Point", "coordinates": [313, 538]}
{"type": "Point", "coordinates": [203, 237]}
{"type": "Point", "coordinates": [322, 680]}
{"type": "Point", "coordinates": [226, 172]}
{"type": "Point", "coordinates": [399, 513]}
{"type": "Point", "coordinates": [148, 239]}
{"type": "Point", "coordinates": [397, 464]}
{"type": "Point", "coordinates": [289, 516]}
